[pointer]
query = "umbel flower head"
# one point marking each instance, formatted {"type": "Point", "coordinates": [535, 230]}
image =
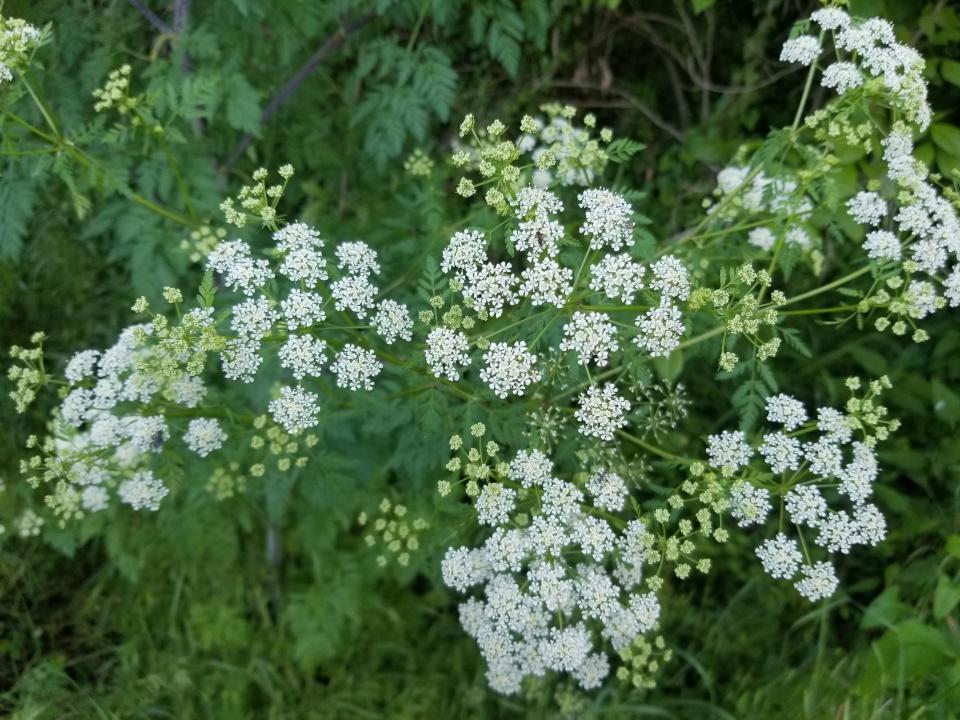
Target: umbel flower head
{"type": "Point", "coordinates": [556, 589]}
{"type": "Point", "coordinates": [124, 407]}
{"type": "Point", "coordinates": [499, 302]}
{"type": "Point", "coordinates": [806, 479]}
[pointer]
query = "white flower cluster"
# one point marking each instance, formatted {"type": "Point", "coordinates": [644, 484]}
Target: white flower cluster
{"type": "Point", "coordinates": [299, 248]}
{"type": "Point", "coordinates": [578, 159]}
{"type": "Point", "coordinates": [104, 441]}
{"type": "Point", "coordinates": [122, 405]}
{"type": "Point", "coordinates": [924, 227]}
{"type": "Point", "coordinates": [356, 368]}
{"type": "Point", "coordinates": [832, 467]}
{"type": "Point", "coordinates": [602, 411]}
{"type": "Point", "coordinates": [204, 435]}
{"type": "Point", "coordinates": [18, 40]}
{"type": "Point", "coordinates": [608, 221]}
{"type": "Point", "coordinates": [802, 50]}
{"type": "Point", "coordinates": [873, 52]}
{"type": "Point", "coordinates": [447, 351]}
{"type": "Point", "coordinates": [592, 336]}
{"type": "Point", "coordinates": [553, 592]}
{"type": "Point", "coordinates": [295, 409]}
{"type": "Point", "coordinates": [751, 190]}
{"type": "Point", "coordinates": [617, 277]}
{"type": "Point", "coordinates": [509, 369]}
{"type": "Point", "coordinates": [489, 288]}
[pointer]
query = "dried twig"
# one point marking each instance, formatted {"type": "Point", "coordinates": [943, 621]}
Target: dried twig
{"type": "Point", "coordinates": [290, 87]}
{"type": "Point", "coordinates": [158, 23]}
{"type": "Point", "coordinates": [629, 100]}
{"type": "Point", "coordinates": [181, 10]}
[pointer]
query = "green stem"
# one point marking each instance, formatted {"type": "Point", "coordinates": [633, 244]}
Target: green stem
{"type": "Point", "coordinates": [829, 286]}
{"type": "Point", "coordinates": [701, 337]}
{"type": "Point", "coordinates": [806, 90]}
{"type": "Point", "coordinates": [648, 447]}
{"type": "Point", "coordinates": [61, 144]}
{"type": "Point", "coordinates": [416, 28]}
{"type": "Point", "coordinates": [821, 311]}
{"type": "Point", "coordinates": [41, 106]}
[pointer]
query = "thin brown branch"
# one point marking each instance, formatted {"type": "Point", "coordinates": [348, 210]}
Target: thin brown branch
{"type": "Point", "coordinates": [630, 101]}
{"type": "Point", "coordinates": [331, 45]}
{"type": "Point", "coordinates": [159, 24]}
{"type": "Point", "coordinates": [181, 10]}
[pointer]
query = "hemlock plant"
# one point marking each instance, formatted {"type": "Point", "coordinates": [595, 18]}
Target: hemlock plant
{"type": "Point", "coordinates": [555, 303]}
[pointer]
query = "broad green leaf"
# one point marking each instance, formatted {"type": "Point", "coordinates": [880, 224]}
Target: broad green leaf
{"type": "Point", "coordinates": [946, 137]}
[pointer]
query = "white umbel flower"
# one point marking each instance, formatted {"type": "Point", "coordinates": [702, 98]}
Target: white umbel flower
{"type": "Point", "coordinates": [867, 208]}
{"type": "Point", "coordinates": [463, 568]}
{"type": "Point", "coordinates": [253, 318]}
{"type": "Point", "coordinates": [824, 456]}
{"type": "Point", "coordinates": [303, 355]}
{"type": "Point", "coordinates": [204, 435]}
{"type": "Point", "coordinates": [762, 238]}
{"type": "Point", "coordinates": [592, 336]}
{"type": "Point", "coordinates": [608, 489]}
{"type": "Point", "coordinates": [357, 258]}
{"type": "Point", "coordinates": [241, 358]}
{"type": "Point", "coordinates": [831, 18]}
{"type": "Point", "coordinates": [297, 236]}
{"type": "Point", "coordinates": [447, 351]}
{"type": "Point", "coordinates": [660, 330]}
{"type": "Point", "coordinates": [602, 411]}
{"type": "Point", "coordinates": [530, 468]}
{"type": "Point", "coordinates": [535, 203]}
{"type": "Point", "coordinates": [842, 77]}
{"type": "Point", "coordinates": [608, 221]}
{"type": "Point", "coordinates": [781, 452]}
{"type": "Point", "coordinates": [82, 365]}
{"type": "Point", "coordinates": [834, 425]}
{"type": "Point", "coordinates": [802, 50]}
{"type": "Point", "coordinates": [302, 309]}
{"type": "Point", "coordinates": [786, 410]}
{"type": "Point", "coordinates": [356, 368]}
{"type": "Point", "coordinates": [295, 409]}
{"type": "Point", "coordinates": [670, 278]}
{"type": "Point", "coordinates": [490, 287]}
{"type": "Point", "coordinates": [466, 251]}
{"type": "Point", "coordinates": [780, 557]}
{"type": "Point", "coordinates": [304, 265]}
{"type": "Point", "coordinates": [354, 293]}
{"type": "Point", "coordinates": [93, 498]}
{"type": "Point", "coordinates": [143, 491]}
{"type": "Point", "coordinates": [806, 506]}
{"type": "Point", "coordinates": [146, 434]}
{"type": "Point", "coordinates": [728, 451]}
{"type": "Point", "coordinates": [871, 525]}
{"type": "Point", "coordinates": [819, 581]}
{"type": "Point", "coordinates": [509, 369]}
{"type": "Point", "coordinates": [617, 277]}
{"type": "Point", "coordinates": [237, 268]}
{"type": "Point", "coordinates": [546, 282]}
{"type": "Point", "coordinates": [749, 504]}
{"type": "Point", "coordinates": [495, 503]}
{"type": "Point", "coordinates": [882, 245]}
{"type": "Point", "coordinates": [537, 238]}
{"type": "Point", "coordinates": [392, 321]}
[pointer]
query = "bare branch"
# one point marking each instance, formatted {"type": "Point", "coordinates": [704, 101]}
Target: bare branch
{"type": "Point", "coordinates": [290, 87]}
{"type": "Point", "coordinates": [181, 10]}
{"type": "Point", "coordinates": [158, 23]}
{"type": "Point", "coordinates": [630, 101]}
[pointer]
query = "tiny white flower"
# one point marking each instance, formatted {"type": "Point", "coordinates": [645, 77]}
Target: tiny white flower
{"type": "Point", "coordinates": [204, 435]}
{"type": "Point", "coordinates": [356, 368]}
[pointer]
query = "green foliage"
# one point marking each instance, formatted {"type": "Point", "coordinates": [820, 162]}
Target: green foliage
{"type": "Point", "coordinates": [268, 604]}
